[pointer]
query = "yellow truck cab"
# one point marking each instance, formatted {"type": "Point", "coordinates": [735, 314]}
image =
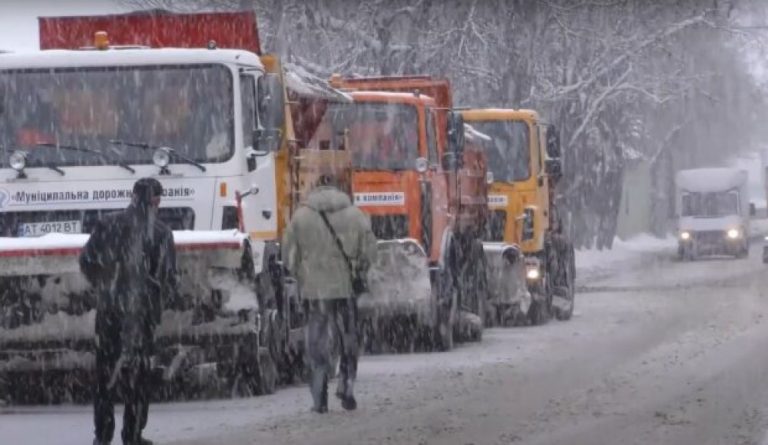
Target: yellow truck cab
{"type": "Point", "coordinates": [524, 158]}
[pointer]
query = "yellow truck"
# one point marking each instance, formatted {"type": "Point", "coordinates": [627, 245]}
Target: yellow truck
{"type": "Point", "coordinates": [524, 158]}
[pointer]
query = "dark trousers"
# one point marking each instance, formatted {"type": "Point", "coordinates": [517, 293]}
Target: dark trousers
{"type": "Point", "coordinates": [132, 382]}
{"type": "Point", "coordinates": [332, 324]}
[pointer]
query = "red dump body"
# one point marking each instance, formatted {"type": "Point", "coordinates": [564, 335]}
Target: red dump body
{"type": "Point", "coordinates": [155, 29]}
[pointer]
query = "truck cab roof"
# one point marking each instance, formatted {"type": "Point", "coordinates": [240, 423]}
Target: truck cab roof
{"type": "Point", "coordinates": [126, 57]}
{"type": "Point", "coordinates": [386, 96]}
{"type": "Point", "coordinates": [499, 114]}
{"type": "Point", "coordinates": [707, 180]}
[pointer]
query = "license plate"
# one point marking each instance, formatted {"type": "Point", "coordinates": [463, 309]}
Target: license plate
{"type": "Point", "coordinates": [42, 228]}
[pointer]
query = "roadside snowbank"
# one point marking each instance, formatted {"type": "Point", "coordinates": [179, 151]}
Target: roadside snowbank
{"type": "Point", "coordinates": [624, 255]}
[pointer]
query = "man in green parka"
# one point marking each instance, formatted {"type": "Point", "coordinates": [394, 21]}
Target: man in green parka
{"type": "Point", "coordinates": [312, 250]}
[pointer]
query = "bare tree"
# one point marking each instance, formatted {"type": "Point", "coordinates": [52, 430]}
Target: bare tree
{"type": "Point", "coordinates": [662, 81]}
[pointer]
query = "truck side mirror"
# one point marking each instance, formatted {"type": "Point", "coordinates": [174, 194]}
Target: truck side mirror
{"type": "Point", "coordinates": [267, 139]}
{"type": "Point", "coordinates": [752, 209]}
{"type": "Point", "coordinates": [271, 112]}
{"type": "Point", "coordinates": [553, 142]}
{"type": "Point", "coordinates": [553, 168]}
{"type": "Point", "coordinates": [455, 153]}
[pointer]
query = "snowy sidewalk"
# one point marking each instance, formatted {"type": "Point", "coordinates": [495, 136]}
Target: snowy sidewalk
{"type": "Point", "coordinates": [594, 265]}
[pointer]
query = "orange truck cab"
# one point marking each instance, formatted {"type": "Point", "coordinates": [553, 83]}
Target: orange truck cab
{"type": "Point", "coordinates": [421, 187]}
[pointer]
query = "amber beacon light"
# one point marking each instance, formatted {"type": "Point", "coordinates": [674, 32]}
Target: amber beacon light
{"type": "Point", "coordinates": [101, 40]}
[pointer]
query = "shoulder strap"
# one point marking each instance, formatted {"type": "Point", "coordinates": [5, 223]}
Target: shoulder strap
{"type": "Point", "coordinates": [336, 238]}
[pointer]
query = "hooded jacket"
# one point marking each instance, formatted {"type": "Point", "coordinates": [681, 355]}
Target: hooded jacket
{"type": "Point", "coordinates": [131, 263]}
{"type": "Point", "coordinates": [311, 254]}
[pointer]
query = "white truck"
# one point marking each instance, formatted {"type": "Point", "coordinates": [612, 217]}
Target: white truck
{"type": "Point", "coordinates": [713, 212]}
{"type": "Point", "coordinates": [79, 126]}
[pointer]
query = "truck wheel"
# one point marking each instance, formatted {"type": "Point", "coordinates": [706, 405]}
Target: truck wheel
{"type": "Point", "coordinates": [570, 289]}
{"type": "Point", "coordinates": [267, 372]}
{"type": "Point", "coordinates": [481, 289]}
{"type": "Point", "coordinates": [743, 252]}
{"type": "Point", "coordinates": [686, 253]}
{"type": "Point", "coordinates": [538, 313]}
{"type": "Point", "coordinates": [472, 291]}
{"type": "Point", "coordinates": [445, 310]}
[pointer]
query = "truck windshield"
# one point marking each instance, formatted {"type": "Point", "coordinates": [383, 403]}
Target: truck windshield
{"type": "Point", "coordinates": [508, 151]}
{"type": "Point", "coordinates": [188, 108]}
{"type": "Point", "coordinates": [710, 204]}
{"type": "Point", "coordinates": [382, 136]}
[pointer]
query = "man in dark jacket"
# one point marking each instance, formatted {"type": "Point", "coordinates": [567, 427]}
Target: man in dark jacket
{"type": "Point", "coordinates": [131, 262]}
{"type": "Point", "coordinates": [312, 254]}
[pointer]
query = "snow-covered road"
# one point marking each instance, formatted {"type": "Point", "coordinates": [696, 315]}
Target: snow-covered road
{"type": "Point", "coordinates": [661, 352]}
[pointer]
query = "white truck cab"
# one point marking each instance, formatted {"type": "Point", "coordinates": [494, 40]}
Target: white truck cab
{"type": "Point", "coordinates": [77, 129]}
{"type": "Point", "coordinates": [713, 212]}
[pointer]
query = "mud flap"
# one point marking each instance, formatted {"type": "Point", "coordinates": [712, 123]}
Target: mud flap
{"type": "Point", "coordinates": [508, 295]}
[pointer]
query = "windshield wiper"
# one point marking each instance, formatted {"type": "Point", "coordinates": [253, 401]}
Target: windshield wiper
{"type": "Point", "coordinates": [89, 150]}
{"type": "Point", "coordinates": [171, 151]}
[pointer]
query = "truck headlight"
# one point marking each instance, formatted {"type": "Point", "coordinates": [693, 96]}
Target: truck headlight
{"type": "Point", "coordinates": [733, 233]}
{"type": "Point", "coordinates": [533, 273]}
{"type": "Point", "coordinates": [685, 236]}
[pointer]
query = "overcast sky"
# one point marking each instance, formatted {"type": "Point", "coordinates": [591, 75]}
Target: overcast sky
{"type": "Point", "coordinates": [18, 18]}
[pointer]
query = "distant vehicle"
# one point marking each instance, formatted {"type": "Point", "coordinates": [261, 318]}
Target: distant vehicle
{"type": "Point", "coordinates": [713, 211]}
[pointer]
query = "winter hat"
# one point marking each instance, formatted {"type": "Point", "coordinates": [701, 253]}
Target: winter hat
{"type": "Point", "coordinates": [147, 188]}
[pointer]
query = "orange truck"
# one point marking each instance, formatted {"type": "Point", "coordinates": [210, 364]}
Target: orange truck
{"type": "Point", "coordinates": [424, 188]}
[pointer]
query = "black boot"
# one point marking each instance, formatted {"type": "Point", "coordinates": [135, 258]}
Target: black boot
{"type": "Point", "coordinates": [344, 393]}
{"type": "Point", "coordinates": [319, 388]}
{"type": "Point", "coordinates": [348, 402]}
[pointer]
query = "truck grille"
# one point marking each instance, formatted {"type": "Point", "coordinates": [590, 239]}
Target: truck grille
{"type": "Point", "coordinates": [388, 227]}
{"type": "Point", "coordinates": [497, 221]}
{"type": "Point", "coordinates": [178, 218]}
{"type": "Point", "coordinates": [710, 236]}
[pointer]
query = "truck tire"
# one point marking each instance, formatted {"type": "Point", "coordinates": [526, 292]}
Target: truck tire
{"type": "Point", "coordinates": [538, 313]}
{"type": "Point", "coordinates": [743, 252]}
{"type": "Point", "coordinates": [446, 299]}
{"type": "Point", "coordinates": [256, 373]}
{"type": "Point", "coordinates": [570, 287]}
{"type": "Point", "coordinates": [267, 372]}
{"type": "Point", "coordinates": [473, 290]}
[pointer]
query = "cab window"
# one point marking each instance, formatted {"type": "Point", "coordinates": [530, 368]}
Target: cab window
{"type": "Point", "coordinates": [248, 103]}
